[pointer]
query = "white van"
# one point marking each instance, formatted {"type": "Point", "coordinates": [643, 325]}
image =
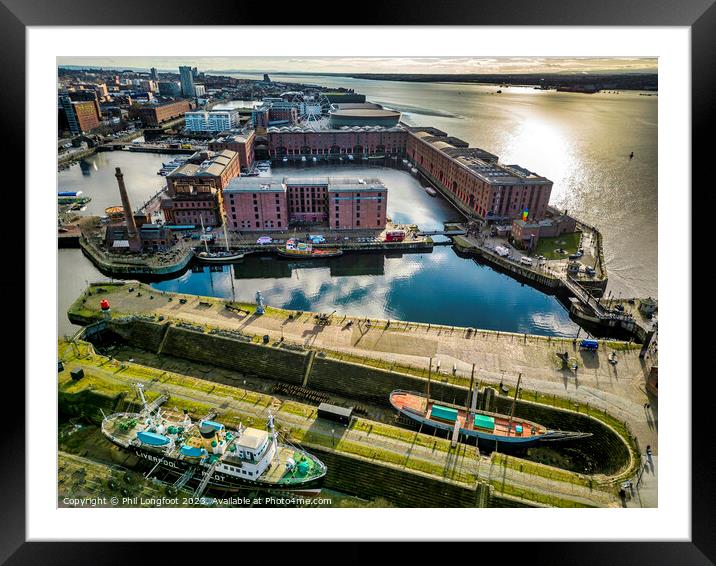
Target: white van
{"type": "Point", "coordinates": [526, 260]}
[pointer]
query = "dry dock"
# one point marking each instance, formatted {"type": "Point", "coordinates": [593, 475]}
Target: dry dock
{"type": "Point", "coordinates": [367, 458]}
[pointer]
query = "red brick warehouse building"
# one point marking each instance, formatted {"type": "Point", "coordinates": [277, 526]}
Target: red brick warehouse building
{"type": "Point", "coordinates": [157, 114]}
{"type": "Point", "coordinates": [194, 188]}
{"type": "Point", "coordinates": [358, 141]}
{"type": "Point", "coordinates": [260, 204]}
{"type": "Point", "coordinates": [474, 180]}
{"type": "Point", "coordinates": [243, 144]}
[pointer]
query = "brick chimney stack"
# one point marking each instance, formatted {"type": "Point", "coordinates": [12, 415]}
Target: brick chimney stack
{"type": "Point", "coordinates": [135, 243]}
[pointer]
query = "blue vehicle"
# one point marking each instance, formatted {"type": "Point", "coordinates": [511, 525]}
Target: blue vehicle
{"type": "Point", "coordinates": [592, 345]}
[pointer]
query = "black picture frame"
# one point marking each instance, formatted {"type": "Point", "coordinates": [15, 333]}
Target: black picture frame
{"type": "Point", "coordinates": [698, 15]}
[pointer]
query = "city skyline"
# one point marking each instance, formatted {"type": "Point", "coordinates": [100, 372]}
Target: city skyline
{"type": "Point", "coordinates": [404, 65]}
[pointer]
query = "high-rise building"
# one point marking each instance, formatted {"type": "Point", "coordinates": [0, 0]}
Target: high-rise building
{"type": "Point", "coordinates": [186, 79]}
{"type": "Point", "coordinates": [82, 116]}
{"type": "Point", "coordinates": [194, 73]}
{"type": "Point", "coordinates": [66, 104]}
{"type": "Point", "coordinates": [169, 88]}
{"type": "Point", "coordinates": [154, 74]}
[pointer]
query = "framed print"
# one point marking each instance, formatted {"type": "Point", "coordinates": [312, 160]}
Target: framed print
{"type": "Point", "coordinates": [409, 279]}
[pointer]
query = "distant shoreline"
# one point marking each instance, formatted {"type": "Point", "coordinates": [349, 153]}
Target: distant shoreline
{"type": "Point", "coordinates": [607, 81]}
{"type": "Point", "coordinates": [635, 81]}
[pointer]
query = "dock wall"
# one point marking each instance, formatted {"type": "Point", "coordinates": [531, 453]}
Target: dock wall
{"type": "Point", "coordinates": [366, 479]}
{"type": "Point", "coordinates": [265, 361]}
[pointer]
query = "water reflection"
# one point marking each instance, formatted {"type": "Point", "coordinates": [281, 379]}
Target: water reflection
{"type": "Point", "coordinates": [437, 287]}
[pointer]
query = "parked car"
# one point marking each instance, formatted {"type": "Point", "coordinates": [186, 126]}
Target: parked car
{"type": "Point", "coordinates": [264, 240]}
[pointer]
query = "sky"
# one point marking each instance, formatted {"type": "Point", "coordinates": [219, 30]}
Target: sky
{"type": "Point", "coordinates": [425, 65]}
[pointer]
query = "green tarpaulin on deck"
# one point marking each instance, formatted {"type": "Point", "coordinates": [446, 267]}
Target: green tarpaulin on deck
{"type": "Point", "coordinates": [444, 413]}
{"type": "Point", "coordinates": [483, 421]}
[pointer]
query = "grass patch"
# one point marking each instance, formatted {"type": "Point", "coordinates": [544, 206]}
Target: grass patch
{"type": "Point", "coordinates": [541, 470]}
{"type": "Point", "coordinates": [548, 246]}
{"type": "Point", "coordinates": [622, 346]}
{"type": "Point", "coordinates": [536, 497]}
{"type": "Point", "coordinates": [422, 440]}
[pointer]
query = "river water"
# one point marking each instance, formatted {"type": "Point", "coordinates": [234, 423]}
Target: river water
{"type": "Point", "coordinates": [581, 142]}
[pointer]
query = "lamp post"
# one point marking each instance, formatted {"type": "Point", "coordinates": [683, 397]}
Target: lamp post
{"type": "Point", "coordinates": [333, 437]}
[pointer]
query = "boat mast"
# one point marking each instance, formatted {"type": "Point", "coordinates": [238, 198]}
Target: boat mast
{"type": "Point", "coordinates": [140, 390]}
{"type": "Point", "coordinates": [203, 235]}
{"type": "Point", "coordinates": [469, 391]}
{"type": "Point", "coordinates": [222, 214]}
{"type": "Point", "coordinates": [514, 401]}
{"type": "Point", "coordinates": [273, 433]}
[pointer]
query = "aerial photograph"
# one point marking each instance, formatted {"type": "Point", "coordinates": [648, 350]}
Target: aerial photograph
{"type": "Point", "coordinates": [365, 282]}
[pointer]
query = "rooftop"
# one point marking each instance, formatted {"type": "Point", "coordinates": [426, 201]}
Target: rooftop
{"type": "Point", "coordinates": [279, 184]}
{"type": "Point", "coordinates": [255, 184]}
{"type": "Point", "coordinates": [365, 113]}
{"type": "Point", "coordinates": [252, 438]}
{"type": "Point", "coordinates": [239, 138]}
{"type": "Point", "coordinates": [204, 164]}
{"type": "Point", "coordinates": [355, 184]}
{"type": "Point", "coordinates": [312, 129]}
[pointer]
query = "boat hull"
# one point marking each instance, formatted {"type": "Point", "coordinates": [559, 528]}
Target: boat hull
{"type": "Point", "coordinates": [219, 481]}
{"type": "Point", "coordinates": [332, 253]}
{"type": "Point", "coordinates": [225, 259]}
{"type": "Point", "coordinates": [516, 441]}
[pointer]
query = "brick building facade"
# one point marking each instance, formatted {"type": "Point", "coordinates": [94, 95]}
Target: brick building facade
{"type": "Point", "coordinates": [474, 180]}
{"type": "Point", "coordinates": [243, 144]}
{"type": "Point", "coordinates": [261, 204]}
{"type": "Point", "coordinates": [156, 114]}
{"type": "Point", "coordinates": [194, 189]}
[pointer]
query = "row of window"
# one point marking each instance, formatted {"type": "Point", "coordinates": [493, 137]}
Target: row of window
{"type": "Point", "coordinates": [239, 470]}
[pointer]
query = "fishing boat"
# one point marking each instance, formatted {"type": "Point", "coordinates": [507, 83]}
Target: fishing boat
{"type": "Point", "coordinates": [475, 423]}
{"type": "Point", "coordinates": [205, 454]}
{"type": "Point", "coordinates": [296, 249]}
{"type": "Point", "coordinates": [432, 192]}
{"type": "Point", "coordinates": [218, 257]}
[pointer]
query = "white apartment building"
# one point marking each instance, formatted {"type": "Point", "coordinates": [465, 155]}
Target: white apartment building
{"type": "Point", "coordinates": [213, 121]}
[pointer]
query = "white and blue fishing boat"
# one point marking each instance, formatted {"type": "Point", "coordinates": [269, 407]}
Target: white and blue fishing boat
{"type": "Point", "coordinates": [205, 454]}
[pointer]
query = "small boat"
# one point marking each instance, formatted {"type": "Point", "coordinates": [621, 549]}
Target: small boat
{"type": "Point", "coordinates": [77, 202]}
{"type": "Point", "coordinates": [475, 423]}
{"type": "Point", "coordinates": [296, 249]}
{"type": "Point", "coordinates": [218, 257]}
{"type": "Point", "coordinates": [285, 160]}
{"type": "Point", "coordinates": [432, 192]}
{"type": "Point", "coordinates": [69, 193]}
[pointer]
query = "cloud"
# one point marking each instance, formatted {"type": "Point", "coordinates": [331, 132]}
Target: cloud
{"type": "Point", "coordinates": [381, 64]}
